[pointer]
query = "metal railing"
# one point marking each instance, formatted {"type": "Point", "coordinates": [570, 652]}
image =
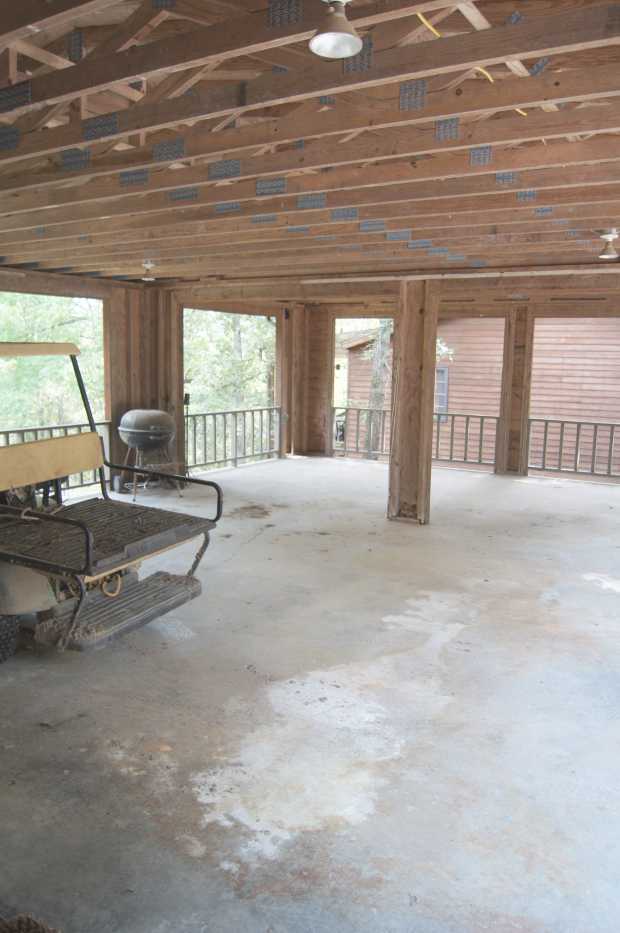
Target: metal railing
{"type": "Point", "coordinates": [24, 435]}
{"type": "Point", "coordinates": [217, 438]}
{"type": "Point", "coordinates": [558, 445]}
{"type": "Point", "coordinates": [463, 438]}
{"type": "Point", "coordinates": [457, 437]}
{"type": "Point", "coordinates": [363, 432]}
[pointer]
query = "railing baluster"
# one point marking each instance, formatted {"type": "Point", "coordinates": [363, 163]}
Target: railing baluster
{"type": "Point", "coordinates": [466, 440]}
{"type": "Point", "coordinates": [561, 450]}
{"type": "Point", "coordinates": [577, 442]}
{"type": "Point", "coordinates": [610, 453]}
{"type": "Point", "coordinates": [594, 445]}
{"type": "Point", "coordinates": [481, 439]}
{"type": "Point", "coordinates": [452, 417]}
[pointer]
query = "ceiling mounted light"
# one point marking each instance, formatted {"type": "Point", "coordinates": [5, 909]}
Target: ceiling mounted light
{"type": "Point", "coordinates": [609, 251]}
{"type": "Point", "coordinates": [337, 38]}
{"type": "Point", "coordinates": [148, 266]}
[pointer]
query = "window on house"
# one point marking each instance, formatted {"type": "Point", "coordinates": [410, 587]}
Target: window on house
{"type": "Point", "coordinates": [441, 389]}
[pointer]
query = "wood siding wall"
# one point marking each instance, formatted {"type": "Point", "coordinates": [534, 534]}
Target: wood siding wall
{"type": "Point", "coordinates": [475, 372]}
{"type": "Point", "coordinates": [576, 368]}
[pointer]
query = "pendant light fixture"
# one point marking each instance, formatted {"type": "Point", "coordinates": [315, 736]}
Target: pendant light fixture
{"type": "Point", "coordinates": [337, 38]}
{"type": "Point", "coordinates": [609, 251]}
{"type": "Point", "coordinates": [148, 266]}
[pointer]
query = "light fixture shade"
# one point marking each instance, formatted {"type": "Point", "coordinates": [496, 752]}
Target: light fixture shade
{"type": "Point", "coordinates": [337, 38]}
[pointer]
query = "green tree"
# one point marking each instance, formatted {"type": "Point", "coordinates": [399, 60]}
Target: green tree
{"type": "Point", "coordinates": [41, 391]}
{"type": "Point", "coordinates": [229, 360]}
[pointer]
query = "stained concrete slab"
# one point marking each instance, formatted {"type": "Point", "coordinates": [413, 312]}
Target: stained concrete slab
{"type": "Point", "coordinates": [360, 726]}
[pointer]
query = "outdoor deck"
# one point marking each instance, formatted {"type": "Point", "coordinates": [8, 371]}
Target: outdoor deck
{"type": "Point", "coordinates": [360, 726]}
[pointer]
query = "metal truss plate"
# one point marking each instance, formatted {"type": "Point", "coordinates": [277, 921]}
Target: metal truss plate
{"type": "Point", "coordinates": [284, 12]}
{"type": "Point", "coordinates": [412, 95]}
{"type": "Point", "coordinates": [362, 61]}
{"type": "Point", "coordinates": [9, 137]}
{"type": "Point", "coordinates": [309, 201]}
{"type": "Point", "coordinates": [543, 211]}
{"type": "Point", "coordinates": [72, 160]}
{"type": "Point", "coordinates": [539, 66]}
{"type": "Point", "coordinates": [264, 219]}
{"type": "Point", "coordinates": [225, 168]}
{"type": "Point", "coordinates": [480, 155]}
{"type": "Point", "coordinates": [528, 195]}
{"type": "Point", "coordinates": [184, 194]}
{"type": "Point", "coordinates": [136, 176]}
{"type": "Point", "coordinates": [169, 150]}
{"type": "Point", "coordinates": [344, 213]}
{"type": "Point", "coordinates": [228, 207]}
{"type": "Point", "coordinates": [15, 95]}
{"type": "Point", "coordinates": [372, 226]}
{"type": "Point", "coordinates": [267, 186]}
{"type": "Point", "coordinates": [327, 100]}
{"type": "Point", "coordinates": [419, 244]}
{"type": "Point", "coordinates": [506, 178]}
{"type": "Point", "coordinates": [297, 229]}
{"type": "Point", "coordinates": [99, 127]}
{"type": "Point", "coordinates": [447, 129]}
{"type": "Point", "coordinates": [75, 46]}
{"type": "Point", "coordinates": [398, 235]}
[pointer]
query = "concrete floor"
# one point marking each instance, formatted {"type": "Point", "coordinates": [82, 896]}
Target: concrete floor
{"type": "Point", "coordinates": [360, 726]}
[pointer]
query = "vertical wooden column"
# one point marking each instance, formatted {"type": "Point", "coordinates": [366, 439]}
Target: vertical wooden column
{"type": "Point", "coordinates": [512, 434]}
{"type": "Point", "coordinates": [284, 374]}
{"type": "Point", "coordinates": [298, 412]}
{"type": "Point", "coordinates": [413, 391]}
{"type": "Point", "coordinates": [143, 346]}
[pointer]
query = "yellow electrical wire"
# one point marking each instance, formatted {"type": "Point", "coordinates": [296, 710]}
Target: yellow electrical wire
{"type": "Point", "coordinates": [428, 25]}
{"type": "Point", "coordinates": [483, 71]}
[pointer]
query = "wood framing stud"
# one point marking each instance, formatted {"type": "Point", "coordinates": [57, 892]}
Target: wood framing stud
{"type": "Point", "coordinates": [413, 395]}
{"type": "Point", "coordinates": [512, 437]}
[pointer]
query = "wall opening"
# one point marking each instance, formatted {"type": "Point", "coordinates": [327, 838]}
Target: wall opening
{"type": "Point", "coordinates": [39, 397]}
{"type": "Point", "coordinates": [229, 383]}
{"type": "Point", "coordinates": [574, 418]}
{"type": "Point", "coordinates": [468, 380]}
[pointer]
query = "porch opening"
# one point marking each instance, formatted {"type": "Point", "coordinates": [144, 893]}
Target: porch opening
{"type": "Point", "coordinates": [231, 417]}
{"type": "Point", "coordinates": [38, 395]}
{"type": "Point", "coordinates": [574, 418]}
{"type": "Point", "coordinates": [468, 380]}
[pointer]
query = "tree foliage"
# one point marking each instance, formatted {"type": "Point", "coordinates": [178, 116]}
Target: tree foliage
{"type": "Point", "coordinates": [229, 360]}
{"type": "Point", "coordinates": [41, 391]}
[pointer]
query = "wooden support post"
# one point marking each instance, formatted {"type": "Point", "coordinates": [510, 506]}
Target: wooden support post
{"type": "Point", "coordinates": [284, 373]}
{"type": "Point", "coordinates": [298, 415]}
{"type": "Point", "coordinates": [512, 434]}
{"type": "Point", "coordinates": [415, 339]}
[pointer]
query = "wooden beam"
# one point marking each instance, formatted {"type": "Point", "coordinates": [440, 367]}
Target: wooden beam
{"type": "Point", "coordinates": [512, 437]}
{"type": "Point", "coordinates": [571, 30]}
{"type": "Point", "coordinates": [413, 397]}
{"type": "Point", "coordinates": [20, 20]}
{"type": "Point", "coordinates": [474, 100]}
